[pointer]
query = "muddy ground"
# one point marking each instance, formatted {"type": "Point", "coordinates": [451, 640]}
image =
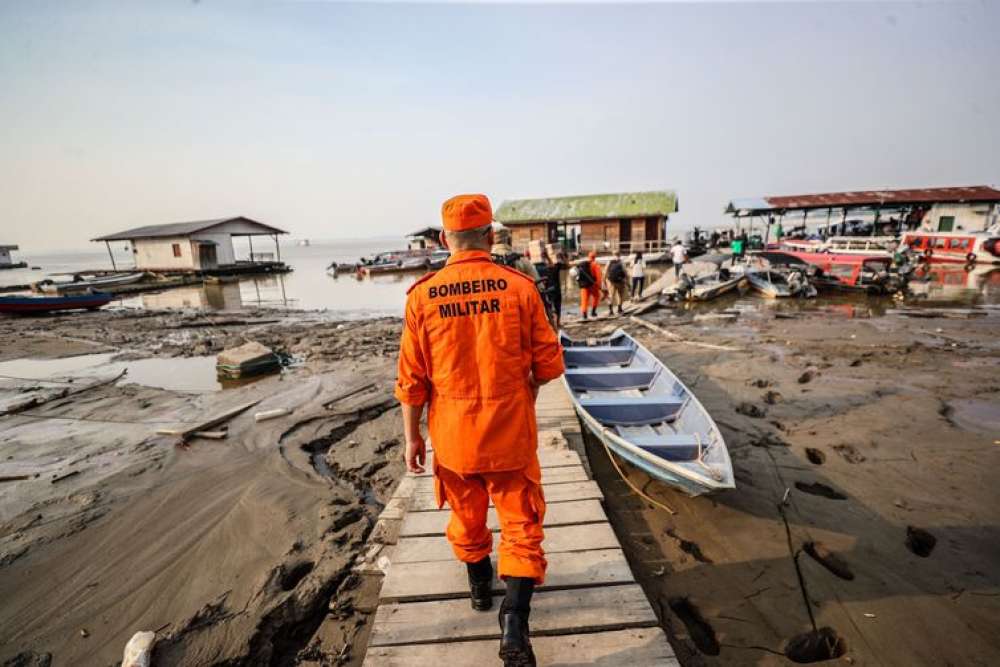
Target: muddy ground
{"type": "Point", "coordinates": [864, 445]}
{"type": "Point", "coordinates": [235, 551]}
{"type": "Point", "coordinates": [865, 451]}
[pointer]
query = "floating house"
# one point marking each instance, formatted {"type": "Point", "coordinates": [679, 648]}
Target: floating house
{"type": "Point", "coordinates": [6, 261]}
{"type": "Point", "coordinates": [969, 208]}
{"type": "Point", "coordinates": [427, 238]}
{"type": "Point", "coordinates": [203, 245]}
{"type": "Point", "coordinates": [627, 222]}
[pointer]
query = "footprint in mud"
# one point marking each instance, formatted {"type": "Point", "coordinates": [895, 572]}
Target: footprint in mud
{"type": "Point", "coordinates": [831, 561]}
{"type": "Point", "coordinates": [291, 579]}
{"type": "Point", "coordinates": [815, 456]}
{"type": "Point", "coordinates": [849, 453]}
{"type": "Point", "coordinates": [702, 634]}
{"type": "Point", "coordinates": [815, 646]}
{"type": "Point", "coordinates": [820, 489]}
{"type": "Point", "coordinates": [919, 541]}
{"type": "Point", "coordinates": [750, 410]}
{"type": "Point", "coordinates": [772, 397]}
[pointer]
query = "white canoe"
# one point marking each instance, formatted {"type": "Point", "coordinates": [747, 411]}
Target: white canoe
{"type": "Point", "coordinates": [645, 414]}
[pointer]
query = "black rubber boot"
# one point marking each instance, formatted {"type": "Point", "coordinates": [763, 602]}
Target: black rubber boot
{"type": "Point", "coordinates": [584, 314]}
{"type": "Point", "coordinates": [481, 584]}
{"type": "Point", "coordinates": [593, 312]}
{"type": "Point", "coordinates": [515, 646]}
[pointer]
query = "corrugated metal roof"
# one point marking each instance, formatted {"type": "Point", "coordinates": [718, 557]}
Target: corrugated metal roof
{"type": "Point", "coordinates": [975, 193]}
{"type": "Point", "coordinates": [182, 229]}
{"type": "Point", "coordinates": [587, 207]}
{"type": "Point", "coordinates": [425, 231]}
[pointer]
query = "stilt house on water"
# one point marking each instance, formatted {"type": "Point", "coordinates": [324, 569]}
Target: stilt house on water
{"type": "Point", "coordinates": [203, 245]}
{"type": "Point", "coordinates": [628, 222]}
{"type": "Point", "coordinates": [6, 261]}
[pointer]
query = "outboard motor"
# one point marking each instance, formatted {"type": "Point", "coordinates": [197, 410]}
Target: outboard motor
{"type": "Point", "coordinates": [685, 284]}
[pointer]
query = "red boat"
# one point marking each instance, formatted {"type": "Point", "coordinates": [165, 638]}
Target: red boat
{"type": "Point", "coordinates": [27, 305]}
{"type": "Point", "coordinates": [868, 273]}
{"type": "Point", "coordinates": [958, 247]}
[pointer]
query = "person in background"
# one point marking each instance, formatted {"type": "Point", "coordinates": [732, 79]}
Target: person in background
{"type": "Point", "coordinates": [678, 254]}
{"type": "Point", "coordinates": [737, 246]}
{"type": "Point", "coordinates": [476, 360]}
{"type": "Point", "coordinates": [616, 282]}
{"type": "Point", "coordinates": [588, 277]}
{"type": "Point", "coordinates": [553, 284]}
{"type": "Point", "coordinates": [779, 231]}
{"type": "Point", "coordinates": [638, 272]}
{"type": "Point", "coordinates": [503, 253]}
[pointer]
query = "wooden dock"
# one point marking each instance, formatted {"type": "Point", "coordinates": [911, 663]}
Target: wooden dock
{"type": "Point", "coordinates": [589, 612]}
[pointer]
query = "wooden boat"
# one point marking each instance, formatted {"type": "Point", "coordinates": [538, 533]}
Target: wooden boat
{"type": "Point", "coordinates": [873, 274]}
{"type": "Point", "coordinates": [644, 414]}
{"type": "Point", "coordinates": [704, 287]}
{"type": "Point", "coordinates": [98, 283]}
{"type": "Point", "coordinates": [779, 284]}
{"type": "Point", "coordinates": [47, 304]}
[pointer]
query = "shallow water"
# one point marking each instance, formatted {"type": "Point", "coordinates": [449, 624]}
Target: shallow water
{"type": "Point", "coordinates": [195, 374]}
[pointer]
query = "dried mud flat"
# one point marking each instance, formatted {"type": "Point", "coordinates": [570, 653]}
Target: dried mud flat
{"type": "Point", "coordinates": [866, 522]}
{"type": "Point", "coordinates": [235, 551]}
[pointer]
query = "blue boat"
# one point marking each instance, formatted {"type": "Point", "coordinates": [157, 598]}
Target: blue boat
{"type": "Point", "coordinates": [644, 414]}
{"type": "Point", "coordinates": [29, 305]}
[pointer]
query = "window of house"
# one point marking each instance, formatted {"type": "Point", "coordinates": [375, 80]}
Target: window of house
{"type": "Point", "coordinates": [177, 249]}
{"type": "Point", "coordinates": [946, 223]}
{"type": "Point", "coordinates": [940, 242]}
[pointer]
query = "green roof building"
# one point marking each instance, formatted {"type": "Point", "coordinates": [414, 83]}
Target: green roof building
{"type": "Point", "coordinates": [627, 221]}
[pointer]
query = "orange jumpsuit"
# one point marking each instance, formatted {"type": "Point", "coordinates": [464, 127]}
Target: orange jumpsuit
{"type": "Point", "coordinates": [474, 333]}
{"type": "Point", "coordinates": [591, 296]}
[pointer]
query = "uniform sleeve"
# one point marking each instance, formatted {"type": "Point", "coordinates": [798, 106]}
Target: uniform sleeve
{"type": "Point", "coordinates": [546, 352]}
{"type": "Point", "coordinates": [412, 385]}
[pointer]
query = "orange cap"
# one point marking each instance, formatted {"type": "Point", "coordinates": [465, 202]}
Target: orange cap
{"type": "Point", "coordinates": [466, 212]}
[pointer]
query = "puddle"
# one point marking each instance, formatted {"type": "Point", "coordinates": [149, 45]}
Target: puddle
{"type": "Point", "coordinates": [976, 415]}
{"type": "Point", "coordinates": [172, 373]}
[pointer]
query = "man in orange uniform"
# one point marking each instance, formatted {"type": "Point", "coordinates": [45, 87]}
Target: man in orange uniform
{"type": "Point", "coordinates": [476, 347]}
{"type": "Point", "coordinates": [591, 296]}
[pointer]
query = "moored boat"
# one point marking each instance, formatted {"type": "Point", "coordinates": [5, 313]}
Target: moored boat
{"type": "Point", "coordinates": [956, 247]}
{"type": "Point", "coordinates": [777, 284]}
{"type": "Point", "coordinates": [704, 287]}
{"type": "Point", "coordinates": [643, 413]}
{"type": "Point", "coordinates": [96, 283]}
{"type": "Point", "coordinates": [46, 304]}
{"type": "Point", "coordinates": [873, 274]}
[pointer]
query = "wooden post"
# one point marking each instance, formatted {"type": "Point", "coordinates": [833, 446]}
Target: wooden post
{"type": "Point", "coordinates": [250, 239]}
{"type": "Point", "coordinates": [829, 212]}
{"type": "Point", "coordinates": [277, 248]}
{"type": "Point", "coordinates": [843, 221]}
{"type": "Point", "coordinates": [878, 215]}
{"type": "Point", "coordinates": [111, 255]}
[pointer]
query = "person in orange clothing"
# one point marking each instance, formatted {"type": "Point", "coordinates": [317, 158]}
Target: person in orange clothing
{"type": "Point", "coordinates": [476, 347]}
{"type": "Point", "coordinates": [590, 295]}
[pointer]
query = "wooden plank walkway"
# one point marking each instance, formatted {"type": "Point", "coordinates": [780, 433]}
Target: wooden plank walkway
{"type": "Point", "coordinates": [589, 612]}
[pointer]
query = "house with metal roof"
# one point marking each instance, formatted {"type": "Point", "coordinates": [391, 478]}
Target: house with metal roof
{"type": "Point", "coordinates": [627, 221]}
{"type": "Point", "coordinates": [201, 245]}
{"type": "Point", "coordinates": [6, 261]}
{"type": "Point", "coordinates": [967, 208]}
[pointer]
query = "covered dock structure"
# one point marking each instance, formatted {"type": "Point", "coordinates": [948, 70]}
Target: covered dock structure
{"type": "Point", "coordinates": [197, 246]}
{"type": "Point", "coordinates": [879, 212]}
{"type": "Point", "coordinates": [626, 221]}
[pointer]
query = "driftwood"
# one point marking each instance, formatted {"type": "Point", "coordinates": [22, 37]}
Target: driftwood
{"type": "Point", "coordinates": [197, 324]}
{"type": "Point", "coordinates": [678, 339]}
{"type": "Point", "coordinates": [348, 394]}
{"type": "Point", "coordinates": [71, 473]}
{"type": "Point", "coordinates": [186, 434]}
{"type": "Point", "coordinates": [271, 414]}
{"type": "Point", "coordinates": [62, 393]}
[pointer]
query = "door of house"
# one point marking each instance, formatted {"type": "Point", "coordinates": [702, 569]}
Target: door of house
{"type": "Point", "coordinates": [652, 233]}
{"type": "Point", "coordinates": [624, 235]}
{"type": "Point", "coordinates": [946, 223]}
{"type": "Point", "coordinates": [207, 256]}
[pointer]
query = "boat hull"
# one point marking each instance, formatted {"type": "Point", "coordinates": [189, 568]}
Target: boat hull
{"type": "Point", "coordinates": [18, 305]}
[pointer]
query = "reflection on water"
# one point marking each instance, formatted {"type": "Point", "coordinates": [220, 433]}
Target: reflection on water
{"type": "Point", "coordinates": [174, 373]}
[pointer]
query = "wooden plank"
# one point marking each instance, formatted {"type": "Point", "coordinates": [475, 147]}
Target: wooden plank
{"type": "Point", "coordinates": [547, 458]}
{"type": "Point", "coordinates": [554, 493]}
{"type": "Point", "coordinates": [439, 580]}
{"type": "Point", "coordinates": [557, 539]}
{"type": "Point", "coordinates": [557, 514]}
{"type": "Point", "coordinates": [639, 646]}
{"type": "Point", "coordinates": [552, 612]}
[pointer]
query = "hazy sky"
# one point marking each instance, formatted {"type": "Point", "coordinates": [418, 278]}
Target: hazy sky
{"type": "Point", "coordinates": [349, 120]}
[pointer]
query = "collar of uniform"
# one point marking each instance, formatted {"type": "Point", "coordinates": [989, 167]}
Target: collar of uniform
{"type": "Point", "coordinates": [468, 256]}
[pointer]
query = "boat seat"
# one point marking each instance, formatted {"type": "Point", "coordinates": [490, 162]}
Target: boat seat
{"type": "Point", "coordinates": [632, 410]}
{"type": "Point", "coordinates": [613, 378]}
{"type": "Point", "coordinates": [603, 355]}
{"type": "Point", "coordinates": [671, 447]}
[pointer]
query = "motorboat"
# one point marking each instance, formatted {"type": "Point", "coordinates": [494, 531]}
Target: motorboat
{"type": "Point", "coordinates": [776, 284]}
{"type": "Point", "coordinates": [704, 287]}
{"type": "Point", "coordinates": [80, 284]}
{"type": "Point", "coordinates": [644, 414]}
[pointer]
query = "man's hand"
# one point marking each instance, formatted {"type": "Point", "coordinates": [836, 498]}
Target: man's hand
{"type": "Point", "coordinates": [416, 453]}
